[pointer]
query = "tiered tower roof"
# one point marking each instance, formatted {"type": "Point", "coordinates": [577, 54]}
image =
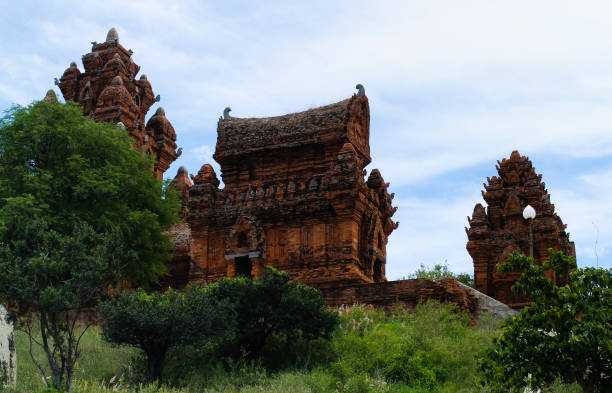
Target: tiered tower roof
{"type": "Point", "coordinates": [109, 90]}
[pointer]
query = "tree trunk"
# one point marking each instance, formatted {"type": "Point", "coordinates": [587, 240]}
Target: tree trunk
{"type": "Point", "coordinates": [155, 365]}
{"type": "Point", "coordinates": [56, 373]}
{"type": "Point", "coordinates": [69, 376]}
{"type": "Point", "coordinates": [588, 388]}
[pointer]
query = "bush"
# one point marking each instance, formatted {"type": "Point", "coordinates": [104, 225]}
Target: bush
{"type": "Point", "coordinates": [439, 272]}
{"type": "Point", "coordinates": [157, 322]}
{"type": "Point", "coordinates": [272, 311]}
{"type": "Point", "coordinates": [565, 334]}
{"type": "Point", "coordinates": [431, 349]}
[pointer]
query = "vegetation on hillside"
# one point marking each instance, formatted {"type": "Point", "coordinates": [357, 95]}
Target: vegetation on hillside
{"type": "Point", "coordinates": [565, 334]}
{"type": "Point", "coordinates": [237, 319]}
{"type": "Point", "coordinates": [433, 349]}
{"type": "Point", "coordinates": [441, 271]}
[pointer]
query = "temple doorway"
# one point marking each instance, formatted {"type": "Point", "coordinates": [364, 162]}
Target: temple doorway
{"type": "Point", "coordinates": [377, 270]}
{"type": "Point", "coordinates": [244, 267]}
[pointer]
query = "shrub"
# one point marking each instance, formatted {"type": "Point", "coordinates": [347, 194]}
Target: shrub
{"type": "Point", "coordinates": [430, 349]}
{"type": "Point", "coordinates": [157, 322]}
{"type": "Point", "coordinates": [272, 308]}
{"type": "Point", "coordinates": [439, 272]}
{"type": "Point", "coordinates": [565, 334]}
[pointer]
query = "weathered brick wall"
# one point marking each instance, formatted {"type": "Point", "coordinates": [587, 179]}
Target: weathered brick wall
{"type": "Point", "coordinates": [406, 292]}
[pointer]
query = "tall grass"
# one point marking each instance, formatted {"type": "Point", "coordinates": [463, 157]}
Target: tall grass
{"type": "Point", "coordinates": [99, 360]}
{"type": "Point", "coordinates": [432, 349]}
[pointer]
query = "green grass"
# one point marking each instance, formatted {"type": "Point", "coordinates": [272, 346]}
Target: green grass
{"type": "Point", "coordinates": [432, 349]}
{"type": "Point", "coordinates": [100, 361]}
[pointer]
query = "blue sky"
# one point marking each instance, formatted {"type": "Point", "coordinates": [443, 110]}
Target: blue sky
{"type": "Point", "coordinates": [453, 87]}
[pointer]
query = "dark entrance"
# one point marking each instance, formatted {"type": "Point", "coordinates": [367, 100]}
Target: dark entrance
{"type": "Point", "coordinates": [244, 266]}
{"type": "Point", "coordinates": [377, 270]}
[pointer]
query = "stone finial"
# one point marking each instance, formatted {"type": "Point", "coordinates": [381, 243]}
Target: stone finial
{"type": "Point", "coordinates": [515, 156]}
{"type": "Point", "coordinates": [143, 76]}
{"type": "Point", "coordinates": [182, 184]}
{"type": "Point", "coordinates": [226, 112]}
{"type": "Point", "coordinates": [51, 96]}
{"type": "Point", "coordinates": [73, 64]}
{"type": "Point", "coordinates": [117, 81]}
{"type": "Point", "coordinates": [160, 112]}
{"type": "Point", "coordinates": [112, 36]}
{"type": "Point", "coordinates": [375, 180]}
{"type": "Point", "coordinates": [207, 174]}
{"type": "Point", "coordinates": [479, 216]}
{"type": "Point", "coordinates": [360, 90]}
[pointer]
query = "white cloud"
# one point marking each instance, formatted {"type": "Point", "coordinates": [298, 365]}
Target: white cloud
{"type": "Point", "coordinates": [585, 208]}
{"type": "Point", "coordinates": [431, 231]}
{"type": "Point", "coordinates": [203, 153]}
{"type": "Point", "coordinates": [452, 86]}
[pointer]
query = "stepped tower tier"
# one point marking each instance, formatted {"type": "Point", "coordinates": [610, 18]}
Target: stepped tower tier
{"type": "Point", "coordinates": [499, 230]}
{"type": "Point", "coordinates": [108, 90]}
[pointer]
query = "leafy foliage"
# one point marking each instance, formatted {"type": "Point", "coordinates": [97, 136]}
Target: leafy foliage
{"type": "Point", "coordinates": [237, 317]}
{"type": "Point", "coordinates": [79, 210]}
{"type": "Point", "coordinates": [159, 321]}
{"type": "Point", "coordinates": [566, 333]}
{"type": "Point", "coordinates": [272, 306]}
{"type": "Point", "coordinates": [439, 272]}
{"type": "Point", "coordinates": [429, 350]}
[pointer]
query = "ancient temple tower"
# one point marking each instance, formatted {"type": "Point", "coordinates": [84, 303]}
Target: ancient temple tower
{"type": "Point", "coordinates": [109, 90]}
{"type": "Point", "coordinates": [501, 229]}
{"type": "Point", "coordinates": [295, 198]}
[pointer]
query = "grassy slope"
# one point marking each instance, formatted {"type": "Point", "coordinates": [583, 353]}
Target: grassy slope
{"type": "Point", "coordinates": [431, 350]}
{"type": "Point", "coordinates": [99, 361]}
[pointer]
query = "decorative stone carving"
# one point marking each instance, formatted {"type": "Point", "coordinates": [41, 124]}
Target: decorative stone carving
{"type": "Point", "coordinates": [109, 91]}
{"type": "Point", "coordinates": [500, 230]}
{"type": "Point", "coordinates": [50, 97]}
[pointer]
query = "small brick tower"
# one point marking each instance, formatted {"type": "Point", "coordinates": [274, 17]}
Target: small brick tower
{"type": "Point", "coordinates": [109, 91]}
{"type": "Point", "coordinates": [501, 229]}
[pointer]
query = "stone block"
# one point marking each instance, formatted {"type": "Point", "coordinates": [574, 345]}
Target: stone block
{"type": "Point", "coordinates": [8, 356]}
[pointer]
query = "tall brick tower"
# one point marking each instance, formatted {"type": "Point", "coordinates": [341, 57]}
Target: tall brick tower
{"type": "Point", "coordinates": [109, 90]}
{"type": "Point", "coordinates": [501, 229]}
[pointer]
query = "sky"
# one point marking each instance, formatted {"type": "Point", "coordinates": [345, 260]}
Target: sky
{"type": "Point", "coordinates": [453, 87]}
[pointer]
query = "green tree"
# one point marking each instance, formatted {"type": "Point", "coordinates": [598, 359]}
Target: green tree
{"type": "Point", "coordinates": [439, 272]}
{"type": "Point", "coordinates": [159, 321]}
{"type": "Point", "coordinates": [566, 333]}
{"type": "Point", "coordinates": [273, 305]}
{"type": "Point", "coordinates": [80, 210]}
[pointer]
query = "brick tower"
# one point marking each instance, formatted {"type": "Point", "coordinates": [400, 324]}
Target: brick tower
{"type": "Point", "coordinates": [501, 229]}
{"type": "Point", "coordinates": [295, 198]}
{"type": "Point", "coordinates": [109, 90]}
